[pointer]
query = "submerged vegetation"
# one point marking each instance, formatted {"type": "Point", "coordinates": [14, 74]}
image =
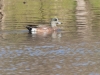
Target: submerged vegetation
{"type": "Point", "coordinates": [22, 12]}
{"type": "Point", "coordinates": [95, 3]}
{"type": "Point", "coordinates": [95, 9]}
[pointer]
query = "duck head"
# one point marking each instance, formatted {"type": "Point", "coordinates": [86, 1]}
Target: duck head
{"type": "Point", "coordinates": [54, 22]}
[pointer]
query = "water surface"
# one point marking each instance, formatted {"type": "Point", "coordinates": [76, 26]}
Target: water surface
{"type": "Point", "coordinates": [75, 50]}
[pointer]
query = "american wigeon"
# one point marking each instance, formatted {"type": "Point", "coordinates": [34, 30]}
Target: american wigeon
{"type": "Point", "coordinates": [44, 28]}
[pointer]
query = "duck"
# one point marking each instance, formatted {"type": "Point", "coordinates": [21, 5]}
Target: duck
{"type": "Point", "coordinates": [44, 28]}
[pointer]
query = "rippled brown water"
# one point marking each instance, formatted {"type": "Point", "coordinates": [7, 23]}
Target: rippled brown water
{"type": "Point", "coordinates": [75, 50]}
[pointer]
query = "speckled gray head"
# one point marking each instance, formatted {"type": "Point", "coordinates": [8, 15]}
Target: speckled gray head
{"type": "Point", "coordinates": [55, 21]}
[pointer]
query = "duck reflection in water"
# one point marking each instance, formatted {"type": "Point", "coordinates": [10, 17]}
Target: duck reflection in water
{"type": "Point", "coordinates": [53, 34]}
{"type": "Point", "coordinates": [45, 30]}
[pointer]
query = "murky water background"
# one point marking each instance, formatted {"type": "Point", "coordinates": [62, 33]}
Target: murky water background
{"type": "Point", "coordinates": [73, 51]}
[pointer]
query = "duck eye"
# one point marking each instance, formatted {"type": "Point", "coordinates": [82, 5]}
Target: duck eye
{"type": "Point", "coordinates": [55, 19]}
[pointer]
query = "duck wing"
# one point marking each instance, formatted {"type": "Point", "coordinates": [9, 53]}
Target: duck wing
{"type": "Point", "coordinates": [31, 26]}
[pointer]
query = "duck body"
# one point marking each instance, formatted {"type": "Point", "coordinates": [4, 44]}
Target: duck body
{"type": "Point", "coordinates": [44, 28]}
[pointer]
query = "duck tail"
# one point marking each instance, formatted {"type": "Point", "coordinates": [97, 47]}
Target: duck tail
{"type": "Point", "coordinates": [29, 28]}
